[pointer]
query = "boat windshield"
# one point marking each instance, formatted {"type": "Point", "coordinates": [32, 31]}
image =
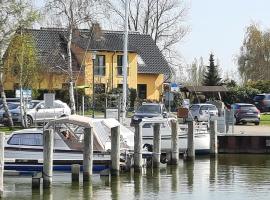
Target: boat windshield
{"type": "Point", "coordinates": [27, 139]}
{"type": "Point", "coordinates": [149, 109]}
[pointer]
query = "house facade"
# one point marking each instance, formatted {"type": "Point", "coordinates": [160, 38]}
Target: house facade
{"type": "Point", "coordinates": [101, 55]}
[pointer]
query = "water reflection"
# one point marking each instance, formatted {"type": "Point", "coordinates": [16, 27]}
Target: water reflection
{"type": "Point", "coordinates": [189, 167]}
{"type": "Point", "coordinates": [227, 177]}
{"type": "Point", "coordinates": [156, 180]}
{"type": "Point", "coordinates": [175, 176]}
{"type": "Point", "coordinates": [115, 187]}
{"type": "Point", "coordinates": [213, 171]}
{"type": "Point", "coordinates": [137, 184]}
{"type": "Point", "coordinates": [47, 194]}
{"type": "Point", "coordinates": [87, 190]}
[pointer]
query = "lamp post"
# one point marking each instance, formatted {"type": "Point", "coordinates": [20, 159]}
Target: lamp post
{"type": "Point", "coordinates": [94, 55]}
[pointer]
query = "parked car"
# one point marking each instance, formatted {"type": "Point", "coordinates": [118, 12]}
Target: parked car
{"type": "Point", "coordinates": [38, 113]}
{"type": "Point", "coordinates": [245, 113]}
{"type": "Point", "coordinates": [202, 111]}
{"type": "Point", "coordinates": [148, 110]}
{"type": "Point", "coordinates": [262, 102]}
{"type": "Point", "coordinates": [11, 106]}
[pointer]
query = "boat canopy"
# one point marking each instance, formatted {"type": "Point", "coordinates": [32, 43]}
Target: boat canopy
{"type": "Point", "coordinates": [101, 130]}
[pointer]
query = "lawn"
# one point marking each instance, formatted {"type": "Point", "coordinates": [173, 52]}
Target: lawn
{"type": "Point", "coordinates": [6, 130]}
{"type": "Point", "coordinates": [265, 119]}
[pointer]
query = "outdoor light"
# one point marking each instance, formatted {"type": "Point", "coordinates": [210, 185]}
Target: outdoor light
{"type": "Point", "coordinates": [94, 55]}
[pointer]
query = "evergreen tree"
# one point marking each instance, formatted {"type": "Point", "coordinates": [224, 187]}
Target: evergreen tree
{"type": "Point", "coordinates": [211, 76]}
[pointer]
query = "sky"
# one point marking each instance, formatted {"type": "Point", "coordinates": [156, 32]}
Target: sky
{"type": "Point", "coordinates": [219, 26]}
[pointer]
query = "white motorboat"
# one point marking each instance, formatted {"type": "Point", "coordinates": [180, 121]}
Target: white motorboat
{"type": "Point", "coordinates": [26, 146]}
{"type": "Point", "coordinates": [201, 137]}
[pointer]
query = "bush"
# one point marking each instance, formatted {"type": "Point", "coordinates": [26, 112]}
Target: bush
{"type": "Point", "coordinates": [241, 94]}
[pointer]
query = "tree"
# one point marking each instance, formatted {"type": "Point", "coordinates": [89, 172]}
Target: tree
{"type": "Point", "coordinates": [211, 76]}
{"type": "Point", "coordinates": [196, 72]}
{"type": "Point", "coordinates": [13, 14]}
{"type": "Point", "coordinates": [201, 71]}
{"type": "Point", "coordinates": [254, 58]}
{"type": "Point", "coordinates": [73, 14]}
{"type": "Point", "coordinates": [162, 19]}
{"type": "Point", "coordinates": [22, 64]}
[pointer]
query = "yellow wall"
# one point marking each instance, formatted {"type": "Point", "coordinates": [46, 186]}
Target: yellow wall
{"type": "Point", "coordinates": [154, 84]}
{"type": "Point", "coordinates": [50, 81]}
{"type": "Point", "coordinates": [111, 79]}
{"type": "Point", "coordinates": [54, 81]}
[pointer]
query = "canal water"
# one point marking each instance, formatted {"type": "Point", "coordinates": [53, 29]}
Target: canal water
{"type": "Point", "coordinates": [229, 177]}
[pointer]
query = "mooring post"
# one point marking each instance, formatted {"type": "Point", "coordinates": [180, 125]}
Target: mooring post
{"type": "Point", "coordinates": [138, 148]}
{"type": "Point", "coordinates": [75, 173]}
{"type": "Point", "coordinates": [156, 146]}
{"type": "Point", "coordinates": [2, 141]}
{"type": "Point", "coordinates": [213, 138]}
{"type": "Point", "coordinates": [191, 148]}
{"type": "Point", "coordinates": [115, 150]}
{"type": "Point", "coordinates": [88, 155]}
{"type": "Point", "coordinates": [48, 144]}
{"type": "Point", "coordinates": [174, 143]}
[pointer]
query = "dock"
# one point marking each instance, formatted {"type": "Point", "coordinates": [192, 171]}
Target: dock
{"type": "Point", "coordinates": [219, 143]}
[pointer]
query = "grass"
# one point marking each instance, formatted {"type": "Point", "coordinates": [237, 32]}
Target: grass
{"type": "Point", "coordinates": [265, 119]}
{"type": "Point", "coordinates": [6, 129]}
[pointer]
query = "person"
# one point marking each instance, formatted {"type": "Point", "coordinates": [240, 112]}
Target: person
{"type": "Point", "coordinates": [66, 134]}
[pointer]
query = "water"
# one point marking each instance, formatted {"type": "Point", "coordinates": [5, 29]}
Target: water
{"type": "Point", "coordinates": [229, 177]}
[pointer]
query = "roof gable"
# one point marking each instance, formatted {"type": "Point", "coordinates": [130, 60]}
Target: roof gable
{"type": "Point", "coordinates": [51, 45]}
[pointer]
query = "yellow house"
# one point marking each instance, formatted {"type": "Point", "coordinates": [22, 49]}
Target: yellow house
{"type": "Point", "coordinates": [146, 64]}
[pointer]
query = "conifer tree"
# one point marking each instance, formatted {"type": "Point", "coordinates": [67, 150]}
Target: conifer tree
{"type": "Point", "coordinates": [211, 76]}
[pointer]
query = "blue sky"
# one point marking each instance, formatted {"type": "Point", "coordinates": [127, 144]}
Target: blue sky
{"type": "Point", "coordinates": [219, 26]}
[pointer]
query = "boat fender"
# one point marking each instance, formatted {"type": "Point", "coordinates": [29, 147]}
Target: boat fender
{"type": "Point", "coordinates": [148, 147]}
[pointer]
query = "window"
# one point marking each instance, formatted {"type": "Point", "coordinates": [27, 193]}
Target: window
{"type": "Point", "coordinates": [120, 65]}
{"type": "Point", "coordinates": [142, 91]}
{"type": "Point", "coordinates": [100, 67]}
{"type": "Point", "coordinates": [28, 139]}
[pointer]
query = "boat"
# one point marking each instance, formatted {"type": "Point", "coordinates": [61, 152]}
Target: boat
{"type": "Point", "coordinates": [201, 137]}
{"type": "Point", "coordinates": [24, 148]}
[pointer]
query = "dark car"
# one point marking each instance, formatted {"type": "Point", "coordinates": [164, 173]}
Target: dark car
{"type": "Point", "coordinates": [148, 110]}
{"type": "Point", "coordinates": [262, 102]}
{"type": "Point", "coordinates": [245, 113]}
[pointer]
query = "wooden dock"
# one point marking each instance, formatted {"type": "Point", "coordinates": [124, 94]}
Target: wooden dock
{"type": "Point", "coordinates": [244, 143]}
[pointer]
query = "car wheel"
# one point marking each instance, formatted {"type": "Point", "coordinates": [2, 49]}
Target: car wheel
{"type": "Point", "coordinates": [29, 121]}
{"type": "Point", "coordinates": [257, 123]}
{"type": "Point", "coordinates": [196, 119]}
{"type": "Point", "coordinates": [244, 123]}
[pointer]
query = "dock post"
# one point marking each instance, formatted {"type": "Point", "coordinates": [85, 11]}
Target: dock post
{"type": "Point", "coordinates": [115, 150]}
{"type": "Point", "coordinates": [138, 148]}
{"type": "Point", "coordinates": [156, 146]}
{"type": "Point", "coordinates": [213, 138]}
{"type": "Point", "coordinates": [88, 154]}
{"type": "Point", "coordinates": [48, 144]}
{"type": "Point", "coordinates": [2, 141]}
{"type": "Point", "coordinates": [75, 173]}
{"type": "Point", "coordinates": [191, 148]}
{"type": "Point", "coordinates": [174, 143]}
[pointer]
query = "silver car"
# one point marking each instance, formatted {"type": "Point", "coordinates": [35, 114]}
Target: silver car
{"type": "Point", "coordinates": [202, 112]}
{"type": "Point", "coordinates": [36, 112]}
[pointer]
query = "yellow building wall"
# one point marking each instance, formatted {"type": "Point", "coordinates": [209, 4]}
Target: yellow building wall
{"type": "Point", "coordinates": [111, 79]}
{"type": "Point", "coordinates": [49, 81]}
{"type": "Point", "coordinates": [154, 84]}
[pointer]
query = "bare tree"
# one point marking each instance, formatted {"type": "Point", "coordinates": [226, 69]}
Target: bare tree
{"type": "Point", "coordinates": [72, 15]}
{"type": "Point", "coordinates": [162, 19]}
{"type": "Point", "coordinates": [13, 14]}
